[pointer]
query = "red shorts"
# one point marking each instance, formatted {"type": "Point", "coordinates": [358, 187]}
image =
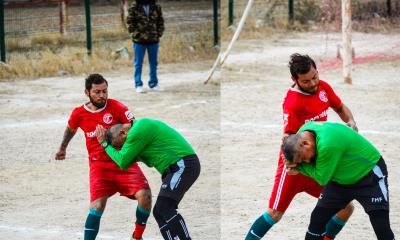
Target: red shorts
{"type": "Point", "coordinates": [287, 186]}
{"type": "Point", "coordinates": [108, 181]}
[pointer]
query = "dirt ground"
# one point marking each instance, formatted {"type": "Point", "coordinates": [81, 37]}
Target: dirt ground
{"type": "Point", "coordinates": [255, 80]}
{"type": "Point", "coordinates": [235, 128]}
{"type": "Point", "coordinates": [44, 199]}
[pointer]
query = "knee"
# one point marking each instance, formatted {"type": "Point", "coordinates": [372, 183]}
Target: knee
{"type": "Point", "coordinates": [144, 198]}
{"type": "Point", "coordinates": [346, 212]}
{"type": "Point", "coordinates": [164, 209]}
{"type": "Point", "coordinates": [275, 215]}
{"type": "Point", "coordinates": [349, 208]}
{"type": "Point", "coordinates": [99, 205]}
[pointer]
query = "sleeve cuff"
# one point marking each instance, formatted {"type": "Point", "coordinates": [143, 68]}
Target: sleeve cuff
{"type": "Point", "coordinates": [104, 144]}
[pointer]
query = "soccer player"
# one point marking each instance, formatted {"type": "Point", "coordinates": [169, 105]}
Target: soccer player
{"type": "Point", "coordinates": [106, 178]}
{"type": "Point", "coordinates": [349, 167]}
{"type": "Point", "coordinates": [157, 145]}
{"type": "Point", "coordinates": [309, 99]}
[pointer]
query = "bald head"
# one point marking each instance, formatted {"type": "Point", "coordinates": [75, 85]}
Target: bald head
{"type": "Point", "coordinates": [290, 146]}
{"type": "Point", "coordinates": [300, 147]}
{"type": "Point", "coordinates": [116, 134]}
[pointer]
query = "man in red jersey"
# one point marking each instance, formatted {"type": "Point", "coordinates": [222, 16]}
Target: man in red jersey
{"type": "Point", "coordinates": [106, 178]}
{"type": "Point", "coordinates": [309, 99]}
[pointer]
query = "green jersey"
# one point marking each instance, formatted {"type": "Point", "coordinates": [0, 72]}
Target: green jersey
{"type": "Point", "coordinates": [154, 143]}
{"type": "Point", "coordinates": [342, 155]}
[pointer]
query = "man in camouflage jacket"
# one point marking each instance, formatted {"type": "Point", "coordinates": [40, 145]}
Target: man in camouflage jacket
{"type": "Point", "coordinates": [146, 26]}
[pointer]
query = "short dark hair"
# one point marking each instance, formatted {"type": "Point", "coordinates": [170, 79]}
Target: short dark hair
{"type": "Point", "coordinates": [94, 78]}
{"type": "Point", "coordinates": [300, 64]}
{"type": "Point", "coordinates": [290, 146]}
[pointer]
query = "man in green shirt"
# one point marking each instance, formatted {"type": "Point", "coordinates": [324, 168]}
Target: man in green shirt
{"type": "Point", "coordinates": [157, 145]}
{"type": "Point", "coordinates": [348, 165]}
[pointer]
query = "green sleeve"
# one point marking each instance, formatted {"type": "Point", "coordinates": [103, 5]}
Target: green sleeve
{"type": "Point", "coordinates": [136, 141]}
{"type": "Point", "coordinates": [324, 167]}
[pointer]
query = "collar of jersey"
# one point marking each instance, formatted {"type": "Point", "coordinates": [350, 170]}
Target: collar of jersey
{"type": "Point", "coordinates": [299, 91]}
{"type": "Point", "coordinates": [95, 111]}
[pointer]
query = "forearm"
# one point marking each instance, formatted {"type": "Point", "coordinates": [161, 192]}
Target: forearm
{"type": "Point", "coordinates": [69, 133]}
{"type": "Point", "coordinates": [122, 160]}
{"type": "Point", "coordinates": [345, 114]}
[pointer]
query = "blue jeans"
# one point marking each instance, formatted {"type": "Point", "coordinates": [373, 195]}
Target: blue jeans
{"type": "Point", "coordinates": [152, 52]}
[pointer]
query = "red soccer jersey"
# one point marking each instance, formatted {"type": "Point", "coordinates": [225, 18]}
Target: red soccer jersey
{"type": "Point", "coordinates": [112, 113]}
{"type": "Point", "coordinates": [300, 107]}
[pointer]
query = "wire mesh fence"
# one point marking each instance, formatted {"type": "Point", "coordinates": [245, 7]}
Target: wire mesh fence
{"type": "Point", "coordinates": [272, 11]}
{"type": "Point", "coordinates": [33, 18]}
{"type": "Point", "coordinates": [49, 37]}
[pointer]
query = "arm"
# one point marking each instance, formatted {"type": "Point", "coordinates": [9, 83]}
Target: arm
{"type": "Point", "coordinates": [160, 22]}
{"type": "Point", "coordinates": [131, 19]}
{"type": "Point", "coordinates": [324, 167]}
{"type": "Point", "coordinates": [69, 133]}
{"type": "Point", "coordinates": [134, 144]}
{"type": "Point", "coordinates": [345, 114]}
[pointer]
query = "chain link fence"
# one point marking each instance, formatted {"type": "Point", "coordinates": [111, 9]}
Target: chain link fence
{"type": "Point", "coordinates": [272, 12]}
{"type": "Point", "coordinates": [34, 19]}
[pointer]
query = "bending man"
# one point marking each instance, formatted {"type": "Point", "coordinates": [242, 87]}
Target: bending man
{"type": "Point", "coordinates": [157, 145]}
{"type": "Point", "coordinates": [348, 165]}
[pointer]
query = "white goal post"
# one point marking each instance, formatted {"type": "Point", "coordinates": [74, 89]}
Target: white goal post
{"type": "Point", "coordinates": [223, 55]}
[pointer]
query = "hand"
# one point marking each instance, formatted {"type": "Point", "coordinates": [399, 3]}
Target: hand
{"type": "Point", "coordinates": [353, 125]}
{"type": "Point", "coordinates": [290, 167]}
{"type": "Point", "coordinates": [60, 155]}
{"type": "Point", "coordinates": [100, 133]}
{"type": "Point", "coordinates": [291, 171]}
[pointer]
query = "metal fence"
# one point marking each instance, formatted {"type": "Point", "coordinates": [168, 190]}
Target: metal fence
{"type": "Point", "coordinates": [310, 10]}
{"type": "Point", "coordinates": [32, 18]}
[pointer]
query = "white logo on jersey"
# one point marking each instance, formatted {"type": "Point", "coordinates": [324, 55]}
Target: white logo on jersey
{"type": "Point", "coordinates": [107, 118]}
{"type": "Point", "coordinates": [90, 134]}
{"type": "Point", "coordinates": [129, 115]}
{"type": "Point", "coordinates": [322, 96]}
{"type": "Point", "coordinates": [319, 116]}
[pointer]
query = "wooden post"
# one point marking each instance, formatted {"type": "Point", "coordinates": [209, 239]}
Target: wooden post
{"type": "Point", "coordinates": [346, 40]}
{"type": "Point", "coordinates": [63, 17]}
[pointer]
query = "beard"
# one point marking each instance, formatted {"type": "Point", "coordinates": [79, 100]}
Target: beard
{"type": "Point", "coordinates": [100, 104]}
{"type": "Point", "coordinates": [312, 91]}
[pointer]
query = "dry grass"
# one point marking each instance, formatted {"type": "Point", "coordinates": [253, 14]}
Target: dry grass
{"type": "Point", "coordinates": [54, 55]}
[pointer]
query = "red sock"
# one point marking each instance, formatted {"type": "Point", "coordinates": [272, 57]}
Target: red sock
{"type": "Point", "coordinates": [139, 229]}
{"type": "Point", "coordinates": [326, 238]}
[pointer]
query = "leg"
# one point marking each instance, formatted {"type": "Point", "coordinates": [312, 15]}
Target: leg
{"type": "Point", "coordinates": [283, 192]}
{"type": "Point", "coordinates": [92, 224]}
{"type": "Point", "coordinates": [152, 51]}
{"type": "Point", "coordinates": [142, 212]}
{"type": "Point", "coordinates": [337, 222]}
{"type": "Point", "coordinates": [176, 181]}
{"type": "Point", "coordinates": [262, 224]}
{"type": "Point", "coordinates": [319, 218]}
{"type": "Point", "coordinates": [133, 184]}
{"type": "Point", "coordinates": [373, 195]}
{"type": "Point", "coordinates": [381, 224]}
{"type": "Point", "coordinates": [170, 222]}
{"type": "Point", "coordinates": [139, 50]}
